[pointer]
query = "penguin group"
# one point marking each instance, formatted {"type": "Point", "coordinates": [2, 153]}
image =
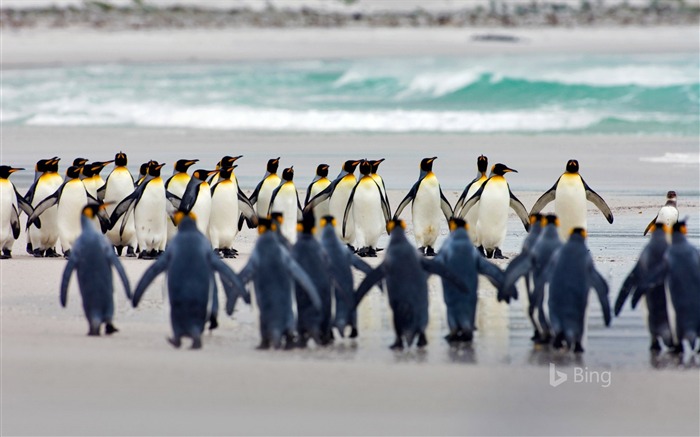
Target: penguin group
{"type": "Point", "coordinates": [302, 277]}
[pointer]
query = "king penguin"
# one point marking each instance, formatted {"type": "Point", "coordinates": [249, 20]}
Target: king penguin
{"type": "Point", "coordinates": [495, 198]}
{"type": "Point", "coordinates": [43, 240]}
{"type": "Point", "coordinates": [92, 258]}
{"type": "Point", "coordinates": [285, 199]}
{"type": "Point", "coordinates": [668, 214]}
{"type": "Point", "coordinates": [378, 179]}
{"type": "Point", "coordinates": [93, 181]}
{"type": "Point", "coordinates": [119, 185]}
{"type": "Point", "coordinates": [143, 173]}
{"type": "Point", "coordinates": [482, 164]}
{"type": "Point", "coordinates": [225, 162]}
{"type": "Point", "coordinates": [369, 210]}
{"type": "Point", "coordinates": [197, 198]}
{"type": "Point", "coordinates": [10, 201]}
{"type": "Point", "coordinates": [429, 205]}
{"type": "Point", "coordinates": [263, 191]}
{"type": "Point", "coordinates": [176, 185]}
{"type": "Point", "coordinates": [570, 193]}
{"type": "Point", "coordinates": [318, 184]}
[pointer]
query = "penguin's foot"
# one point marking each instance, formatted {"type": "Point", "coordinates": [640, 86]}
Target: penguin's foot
{"type": "Point", "coordinates": [466, 336]}
{"type": "Point", "coordinates": [196, 343]}
{"type": "Point", "coordinates": [30, 249]}
{"type": "Point", "coordinates": [429, 251]}
{"type": "Point", "coordinates": [543, 339]}
{"type": "Point", "coordinates": [66, 254]}
{"type": "Point", "coordinates": [578, 349]}
{"type": "Point", "coordinates": [302, 341]}
{"type": "Point", "coordinates": [130, 252]}
{"type": "Point", "coordinates": [157, 253]}
{"type": "Point", "coordinates": [219, 252]}
{"type": "Point", "coordinates": [655, 345]}
{"type": "Point", "coordinates": [230, 253]}
{"type": "Point", "coordinates": [451, 338]}
{"type": "Point", "coordinates": [422, 341]}
{"type": "Point", "coordinates": [558, 342]}
{"type": "Point", "coordinates": [144, 255]}
{"type": "Point", "coordinates": [536, 336]}
{"type": "Point", "coordinates": [352, 248]}
{"type": "Point", "coordinates": [367, 251]}
{"type": "Point", "coordinates": [497, 254]}
{"type": "Point", "coordinates": [175, 341]}
{"type": "Point", "coordinates": [677, 349]}
{"type": "Point", "coordinates": [489, 253]}
{"type": "Point", "coordinates": [421, 250]}
{"type": "Point", "coordinates": [480, 249]}
{"type": "Point", "coordinates": [398, 345]}
{"type": "Point", "coordinates": [353, 332]}
{"type": "Point", "coordinates": [51, 253]}
{"type": "Point", "coordinates": [6, 253]}
{"type": "Point", "coordinates": [213, 322]}
{"type": "Point", "coordinates": [110, 329]}
{"type": "Point", "coordinates": [119, 250]}
{"type": "Point", "coordinates": [264, 345]}
{"type": "Point", "coordinates": [38, 253]}
{"type": "Point", "coordinates": [94, 330]}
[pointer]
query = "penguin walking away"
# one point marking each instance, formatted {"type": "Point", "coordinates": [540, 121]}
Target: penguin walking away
{"type": "Point", "coordinates": [93, 181]}
{"type": "Point", "coordinates": [668, 214]}
{"type": "Point", "coordinates": [406, 276]}
{"type": "Point", "coordinates": [274, 272]}
{"type": "Point", "coordinates": [263, 191]}
{"type": "Point", "coordinates": [92, 258]}
{"type": "Point", "coordinates": [338, 194]}
{"type": "Point", "coordinates": [118, 186]}
{"type": "Point", "coordinates": [459, 255]}
{"type": "Point", "coordinates": [679, 272]}
{"type": "Point", "coordinates": [482, 164]}
{"type": "Point", "coordinates": [657, 313]}
{"type": "Point", "coordinates": [524, 255]}
{"type": "Point", "coordinates": [190, 265]}
{"type": "Point", "coordinates": [495, 198]}
{"type": "Point", "coordinates": [228, 203]}
{"type": "Point", "coordinates": [341, 263]}
{"type": "Point", "coordinates": [285, 199]}
{"type": "Point", "coordinates": [197, 198]}
{"type": "Point", "coordinates": [42, 240]}
{"type": "Point", "coordinates": [369, 211]}
{"type": "Point", "coordinates": [428, 203]}
{"type": "Point", "coordinates": [10, 201]}
{"type": "Point", "coordinates": [570, 193]}
{"type": "Point", "coordinates": [176, 185]}
{"type": "Point", "coordinates": [318, 184]}
{"type": "Point", "coordinates": [570, 275]}
{"type": "Point", "coordinates": [71, 197]}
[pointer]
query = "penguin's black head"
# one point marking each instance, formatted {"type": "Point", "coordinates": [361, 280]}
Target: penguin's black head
{"type": "Point", "coordinates": [185, 220]}
{"type": "Point", "coordinates": [680, 226]}
{"type": "Point", "coordinates": [226, 172]}
{"type": "Point", "coordinates": [264, 225]}
{"type": "Point", "coordinates": [227, 161]}
{"type": "Point", "coordinates": [97, 166]}
{"type": "Point", "coordinates": [534, 218]}
{"type": "Point", "coordinates": [501, 169]}
{"type": "Point", "coordinates": [322, 170]}
{"type": "Point", "coordinates": [426, 164]}
{"type": "Point", "coordinates": [288, 174]}
{"type": "Point", "coordinates": [87, 170]}
{"type": "Point", "coordinates": [394, 224]}
{"type": "Point", "coordinates": [375, 164]}
{"type": "Point", "coordinates": [202, 175]}
{"type": "Point", "coordinates": [143, 170]}
{"type": "Point", "coordinates": [79, 162]}
{"type": "Point", "coordinates": [350, 165]}
{"type": "Point", "coordinates": [572, 166]}
{"type": "Point", "coordinates": [551, 219]}
{"type": "Point", "coordinates": [458, 223]}
{"type": "Point", "coordinates": [154, 168]}
{"type": "Point", "coordinates": [120, 159]}
{"type": "Point", "coordinates": [53, 164]}
{"type": "Point", "coordinates": [42, 165]}
{"type": "Point", "coordinates": [578, 232]}
{"type": "Point", "coordinates": [671, 195]}
{"type": "Point", "coordinates": [307, 225]}
{"type": "Point", "coordinates": [273, 165]}
{"type": "Point", "coordinates": [182, 165]}
{"type": "Point", "coordinates": [73, 172]}
{"type": "Point", "coordinates": [365, 167]}
{"type": "Point", "coordinates": [327, 220]}
{"type": "Point", "coordinates": [482, 163]}
{"type": "Point", "coordinates": [6, 171]}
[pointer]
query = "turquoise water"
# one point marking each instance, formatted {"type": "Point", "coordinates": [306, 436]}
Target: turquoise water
{"type": "Point", "coordinates": [644, 95]}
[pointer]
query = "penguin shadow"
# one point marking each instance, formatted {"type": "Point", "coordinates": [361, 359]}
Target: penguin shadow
{"type": "Point", "coordinates": [411, 355]}
{"type": "Point", "coordinates": [462, 353]}
{"type": "Point", "coordinates": [544, 355]}
{"type": "Point", "coordinates": [661, 360]}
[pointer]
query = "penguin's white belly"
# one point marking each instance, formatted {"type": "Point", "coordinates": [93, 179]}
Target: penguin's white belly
{"type": "Point", "coordinates": [570, 206]}
{"type": "Point", "coordinates": [336, 206]}
{"type": "Point", "coordinates": [223, 222]}
{"type": "Point", "coordinates": [426, 212]}
{"type": "Point", "coordinates": [668, 215]}
{"type": "Point", "coordinates": [47, 236]}
{"type": "Point", "coordinates": [264, 196]}
{"type": "Point", "coordinates": [7, 202]}
{"type": "Point", "coordinates": [473, 215]}
{"type": "Point", "coordinates": [150, 218]}
{"type": "Point", "coordinates": [70, 208]}
{"type": "Point", "coordinates": [119, 187]}
{"type": "Point", "coordinates": [202, 209]}
{"type": "Point", "coordinates": [286, 203]}
{"type": "Point", "coordinates": [492, 219]}
{"type": "Point", "coordinates": [367, 214]}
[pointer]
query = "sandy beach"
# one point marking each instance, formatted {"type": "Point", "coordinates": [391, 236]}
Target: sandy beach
{"type": "Point", "coordinates": [57, 381]}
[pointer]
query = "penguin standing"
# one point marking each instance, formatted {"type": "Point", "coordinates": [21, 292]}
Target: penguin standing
{"type": "Point", "coordinates": [197, 198]}
{"type": "Point", "coordinates": [143, 173]}
{"type": "Point", "coordinates": [570, 194]}
{"type": "Point", "coordinates": [10, 200]}
{"type": "Point", "coordinates": [657, 313]}
{"type": "Point", "coordinates": [93, 181]}
{"type": "Point", "coordinates": [225, 162]}
{"type": "Point", "coordinates": [428, 204]}
{"type": "Point", "coordinates": [176, 185]}
{"type": "Point", "coordinates": [318, 184]}
{"type": "Point", "coordinates": [406, 275]}
{"type": "Point", "coordinates": [92, 258]}
{"type": "Point", "coordinates": [227, 203]}
{"type": "Point", "coordinates": [378, 179]}
{"type": "Point", "coordinates": [338, 193]}
{"type": "Point", "coordinates": [369, 211]}
{"type": "Point", "coordinates": [80, 163]}
{"type": "Point", "coordinates": [274, 272]}
{"type": "Point", "coordinates": [459, 255]}
{"type": "Point", "coordinates": [495, 198]}
{"type": "Point", "coordinates": [285, 199]}
{"type": "Point", "coordinates": [118, 186]}
{"type": "Point", "coordinates": [571, 274]}
{"type": "Point", "coordinates": [43, 240]}
{"type": "Point", "coordinates": [482, 164]}
{"type": "Point", "coordinates": [263, 191]}
{"type": "Point", "coordinates": [525, 255]}
{"type": "Point", "coordinates": [190, 265]}
{"type": "Point", "coordinates": [667, 215]}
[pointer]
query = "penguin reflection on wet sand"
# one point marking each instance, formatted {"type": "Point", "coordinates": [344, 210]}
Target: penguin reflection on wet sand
{"type": "Point", "coordinates": [428, 207]}
{"type": "Point", "coordinates": [657, 313]}
{"type": "Point", "coordinates": [92, 257]}
{"type": "Point", "coordinates": [190, 264]}
{"type": "Point", "coordinates": [495, 199]}
{"type": "Point", "coordinates": [667, 215]}
{"type": "Point", "coordinates": [570, 275]}
{"type": "Point", "coordinates": [406, 275]}
{"type": "Point", "coordinates": [10, 201]}
{"type": "Point", "coordinates": [570, 194]}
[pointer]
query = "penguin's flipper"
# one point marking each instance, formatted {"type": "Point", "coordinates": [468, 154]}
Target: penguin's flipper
{"type": "Point", "coordinates": [189, 197]}
{"type": "Point", "coordinates": [247, 212]}
{"type": "Point", "coordinates": [494, 275]}
{"type": "Point", "coordinates": [629, 286]}
{"type": "Point", "coordinates": [109, 251]}
{"type": "Point", "coordinates": [308, 191]}
{"type": "Point", "coordinates": [445, 206]}
{"type": "Point", "coordinates": [520, 266]}
{"type": "Point", "coordinates": [475, 198]}
{"type": "Point", "coordinates": [655, 278]}
{"type": "Point", "coordinates": [29, 197]}
{"type": "Point", "coordinates": [25, 206]}
{"type": "Point", "coordinates": [443, 271]}
{"type": "Point", "coordinates": [44, 205]}
{"type": "Point", "coordinates": [651, 223]}
{"type": "Point", "coordinates": [545, 199]}
{"type": "Point", "coordinates": [91, 200]}
{"type": "Point", "coordinates": [360, 265]}
{"type": "Point", "coordinates": [149, 275]}
{"type": "Point", "coordinates": [101, 192]}
{"type": "Point", "coordinates": [122, 207]}
{"type": "Point", "coordinates": [408, 199]}
{"type": "Point", "coordinates": [70, 265]}
{"type": "Point", "coordinates": [14, 222]}
{"type": "Point", "coordinates": [601, 288]}
{"type": "Point", "coordinates": [300, 210]}
{"type": "Point", "coordinates": [348, 206]}
{"type": "Point", "coordinates": [302, 278]}
{"type": "Point", "coordinates": [372, 278]}
{"type": "Point", "coordinates": [520, 210]}
{"type": "Point", "coordinates": [273, 196]}
{"type": "Point", "coordinates": [254, 197]}
{"type": "Point", "coordinates": [233, 286]}
{"type": "Point", "coordinates": [386, 198]}
{"type": "Point", "coordinates": [463, 197]}
{"type": "Point", "coordinates": [598, 201]}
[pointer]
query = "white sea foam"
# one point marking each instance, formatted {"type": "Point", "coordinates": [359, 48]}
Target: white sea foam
{"type": "Point", "coordinates": [674, 158]}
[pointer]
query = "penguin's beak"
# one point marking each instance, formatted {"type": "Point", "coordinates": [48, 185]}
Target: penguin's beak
{"type": "Point", "coordinates": [235, 158]}
{"type": "Point", "coordinates": [508, 170]}
{"type": "Point", "coordinates": [13, 169]}
{"type": "Point", "coordinates": [211, 172]}
{"type": "Point", "coordinates": [159, 166]}
{"type": "Point", "coordinates": [192, 161]}
{"type": "Point", "coordinates": [379, 161]}
{"type": "Point", "coordinates": [432, 159]}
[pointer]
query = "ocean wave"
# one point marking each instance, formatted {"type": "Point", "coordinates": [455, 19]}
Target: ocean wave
{"type": "Point", "coordinates": [674, 158]}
